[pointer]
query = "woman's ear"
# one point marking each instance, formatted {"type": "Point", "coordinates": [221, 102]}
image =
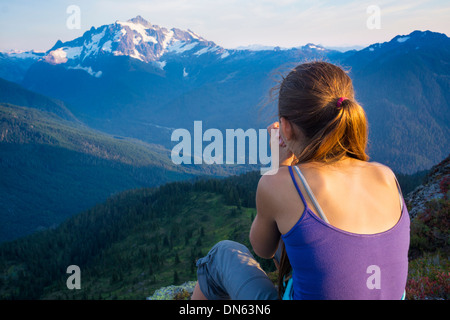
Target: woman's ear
{"type": "Point", "coordinates": [287, 131]}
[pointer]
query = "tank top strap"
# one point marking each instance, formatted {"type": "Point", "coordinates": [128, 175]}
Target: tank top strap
{"type": "Point", "coordinates": [296, 187]}
{"type": "Point", "coordinates": [400, 193]}
{"type": "Point", "coordinates": [311, 195]}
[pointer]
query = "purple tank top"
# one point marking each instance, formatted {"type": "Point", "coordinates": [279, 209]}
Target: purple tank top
{"type": "Point", "coordinates": [329, 263]}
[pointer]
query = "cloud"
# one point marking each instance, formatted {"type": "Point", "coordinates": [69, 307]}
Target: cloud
{"type": "Point", "coordinates": [231, 17]}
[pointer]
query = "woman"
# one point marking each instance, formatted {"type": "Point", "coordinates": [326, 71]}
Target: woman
{"type": "Point", "coordinates": [342, 221]}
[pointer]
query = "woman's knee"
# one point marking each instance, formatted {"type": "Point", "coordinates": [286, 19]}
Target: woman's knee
{"type": "Point", "coordinates": [229, 245]}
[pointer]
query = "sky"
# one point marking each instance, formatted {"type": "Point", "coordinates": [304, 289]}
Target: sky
{"type": "Point", "coordinates": [37, 25]}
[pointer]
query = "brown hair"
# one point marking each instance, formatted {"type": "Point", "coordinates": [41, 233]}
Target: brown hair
{"type": "Point", "coordinates": [308, 98]}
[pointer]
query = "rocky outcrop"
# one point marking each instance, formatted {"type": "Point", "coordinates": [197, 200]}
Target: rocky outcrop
{"type": "Point", "coordinates": [181, 292]}
{"type": "Point", "coordinates": [435, 186]}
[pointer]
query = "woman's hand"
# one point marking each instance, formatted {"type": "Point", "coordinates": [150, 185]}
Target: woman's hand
{"type": "Point", "coordinates": [285, 155]}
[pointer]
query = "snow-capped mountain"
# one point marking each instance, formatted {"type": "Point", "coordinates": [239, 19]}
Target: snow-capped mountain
{"type": "Point", "coordinates": [20, 54]}
{"type": "Point", "coordinates": [136, 38]}
{"type": "Point", "coordinates": [400, 44]}
{"type": "Point", "coordinates": [14, 64]}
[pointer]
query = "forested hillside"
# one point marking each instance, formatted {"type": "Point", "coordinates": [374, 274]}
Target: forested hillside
{"type": "Point", "coordinates": [52, 168]}
{"type": "Point", "coordinates": [132, 244]}
{"type": "Point", "coordinates": [15, 94]}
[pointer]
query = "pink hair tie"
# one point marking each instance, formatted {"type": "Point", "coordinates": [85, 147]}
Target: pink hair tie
{"type": "Point", "coordinates": [341, 99]}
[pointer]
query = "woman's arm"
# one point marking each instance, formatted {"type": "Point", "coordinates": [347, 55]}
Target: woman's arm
{"type": "Point", "coordinates": [264, 233]}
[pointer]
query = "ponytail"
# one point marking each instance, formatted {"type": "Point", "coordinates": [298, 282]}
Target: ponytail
{"type": "Point", "coordinates": [283, 271]}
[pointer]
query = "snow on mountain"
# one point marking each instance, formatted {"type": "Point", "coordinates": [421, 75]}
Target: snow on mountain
{"type": "Point", "coordinates": [402, 39]}
{"type": "Point", "coordinates": [140, 40]}
{"type": "Point", "coordinates": [136, 38]}
{"type": "Point", "coordinates": [415, 40]}
{"type": "Point", "coordinates": [313, 46]}
{"type": "Point", "coordinates": [18, 54]}
{"type": "Point", "coordinates": [260, 47]}
{"type": "Point", "coordinates": [89, 70]}
{"type": "Point", "coordinates": [15, 63]}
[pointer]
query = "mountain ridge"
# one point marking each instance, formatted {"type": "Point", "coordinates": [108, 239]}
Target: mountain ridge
{"type": "Point", "coordinates": [54, 168]}
{"type": "Point", "coordinates": [15, 94]}
{"type": "Point", "coordinates": [135, 37]}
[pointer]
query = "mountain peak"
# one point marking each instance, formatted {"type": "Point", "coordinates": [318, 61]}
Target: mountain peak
{"type": "Point", "coordinates": [314, 46]}
{"type": "Point", "coordinates": [412, 41]}
{"type": "Point", "coordinates": [139, 20]}
{"type": "Point", "coordinates": [136, 38]}
{"type": "Point", "coordinates": [418, 36]}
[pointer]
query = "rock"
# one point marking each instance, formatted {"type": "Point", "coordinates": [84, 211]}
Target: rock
{"type": "Point", "coordinates": [181, 292]}
{"type": "Point", "coordinates": [434, 187]}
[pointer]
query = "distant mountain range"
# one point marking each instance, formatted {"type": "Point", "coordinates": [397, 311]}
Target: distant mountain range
{"type": "Point", "coordinates": [141, 80]}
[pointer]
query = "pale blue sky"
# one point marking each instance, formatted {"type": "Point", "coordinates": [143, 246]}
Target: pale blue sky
{"type": "Point", "coordinates": [32, 24]}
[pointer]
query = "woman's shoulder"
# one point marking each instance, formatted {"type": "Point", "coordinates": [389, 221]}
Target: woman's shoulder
{"type": "Point", "coordinates": [378, 176]}
{"type": "Point", "coordinates": [271, 184]}
{"type": "Point", "coordinates": [374, 171]}
{"type": "Point", "coordinates": [382, 172]}
{"type": "Point", "coordinates": [273, 178]}
{"type": "Point", "coordinates": [352, 170]}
